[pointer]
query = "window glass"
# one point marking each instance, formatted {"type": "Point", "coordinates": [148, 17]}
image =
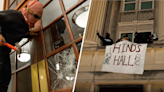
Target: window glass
{"type": "Point", "coordinates": [43, 1]}
{"type": "Point", "coordinates": [51, 12]}
{"type": "Point", "coordinates": [23, 41]}
{"type": "Point", "coordinates": [12, 61]}
{"type": "Point", "coordinates": [130, 6]}
{"type": "Point", "coordinates": [146, 5]}
{"type": "Point", "coordinates": [24, 81]}
{"type": "Point", "coordinates": [19, 1]}
{"type": "Point", "coordinates": [56, 36]}
{"type": "Point", "coordinates": [143, 37]}
{"type": "Point", "coordinates": [10, 1]}
{"type": "Point", "coordinates": [69, 3]}
{"type": "Point", "coordinates": [11, 84]}
{"type": "Point", "coordinates": [62, 69]}
{"type": "Point", "coordinates": [77, 31]}
{"type": "Point", "coordinates": [130, 35]}
{"type": "Point", "coordinates": [13, 5]}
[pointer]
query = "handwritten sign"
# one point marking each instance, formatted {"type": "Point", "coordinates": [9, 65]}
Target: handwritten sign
{"type": "Point", "coordinates": [125, 57]}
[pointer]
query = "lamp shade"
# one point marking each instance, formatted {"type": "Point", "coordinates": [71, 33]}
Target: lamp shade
{"type": "Point", "coordinates": [24, 56]}
{"type": "Point", "coordinates": [80, 17]}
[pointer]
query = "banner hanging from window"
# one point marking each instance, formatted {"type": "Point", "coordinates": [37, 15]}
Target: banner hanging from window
{"type": "Point", "coordinates": [125, 57]}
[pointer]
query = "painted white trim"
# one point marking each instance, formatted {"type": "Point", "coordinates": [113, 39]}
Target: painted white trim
{"type": "Point", "coordinates": [140, 2]}
{"type": "Point", "coordinates": [1, 5]}
{"type": "Point", "coordinates": [139, 31]}
{"type": "Point", "coordinates": [138, 23]}
{"type": "Point", "coordinates": [137, 3]}
{"type": "Point", "coordinates": [123, 4]}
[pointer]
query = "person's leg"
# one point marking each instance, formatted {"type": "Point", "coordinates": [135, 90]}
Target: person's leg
{"type": "Point", "coordinates": [2, 61]}
{"type": "Point", "coordinates": [5, 69]}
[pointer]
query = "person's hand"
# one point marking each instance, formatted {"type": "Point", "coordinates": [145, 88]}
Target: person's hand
{"type": "Point", "coordinates": [2, 39]}
{"type": "Point", "coordinates": [34, 30]}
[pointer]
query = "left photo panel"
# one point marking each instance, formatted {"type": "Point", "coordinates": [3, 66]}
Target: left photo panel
{"type": "Point", "coordinates": [40, 42]}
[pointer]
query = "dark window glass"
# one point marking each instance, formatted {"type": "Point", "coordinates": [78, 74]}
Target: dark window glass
{"type": "Point", "coordinates": [24, 83]}
{"type": "Point", "coordinates": [146, 5]}
{"type": "Point", "coordinates": [130, 35]}
{"type": "Point", "coordinates": [130, 6]}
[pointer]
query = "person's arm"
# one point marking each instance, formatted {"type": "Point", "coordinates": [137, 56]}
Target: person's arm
{"type": "Point", "coordinates": [100, 36]}
{"type": "Point", "coordinates": [34, 31]}
{"type": "Point", "coordinates": [1, 36]}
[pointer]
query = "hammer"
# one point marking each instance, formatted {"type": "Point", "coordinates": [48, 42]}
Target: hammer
{"type": "Point", "coordinates": [17, 48]}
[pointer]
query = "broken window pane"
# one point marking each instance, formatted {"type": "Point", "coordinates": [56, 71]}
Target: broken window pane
{"type": "Point", "coordinates": [62, 69]}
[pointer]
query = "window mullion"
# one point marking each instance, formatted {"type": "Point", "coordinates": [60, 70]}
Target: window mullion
{"type": "Point", "coordinates": [66, 21]}
{"type": "Point", "coordinates": [69, 30]}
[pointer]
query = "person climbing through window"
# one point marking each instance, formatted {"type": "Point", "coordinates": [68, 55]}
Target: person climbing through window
{"type": "Point", "coordinates": [125, 38]}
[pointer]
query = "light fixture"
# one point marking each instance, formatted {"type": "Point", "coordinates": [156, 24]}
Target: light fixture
{"type": "Point", "coordinates": [80, 17]}
{"type": "Point", "coordinates": [24, 56]}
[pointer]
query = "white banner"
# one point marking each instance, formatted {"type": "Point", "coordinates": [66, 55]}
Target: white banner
{"type": "Point", "coordinates": [125, 57]}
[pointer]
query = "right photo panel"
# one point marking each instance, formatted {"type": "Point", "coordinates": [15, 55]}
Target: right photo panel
{"type": "Point", "coordinates": [123, 47]}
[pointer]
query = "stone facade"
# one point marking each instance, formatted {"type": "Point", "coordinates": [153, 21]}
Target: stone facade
{"type": "Point", "coordinates": [91, 79]}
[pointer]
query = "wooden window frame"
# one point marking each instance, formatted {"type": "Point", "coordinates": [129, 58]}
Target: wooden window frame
{"type": "Point", "coordinates": [72, 43]}
{"type": "Point", "coordinates": [7, 4]}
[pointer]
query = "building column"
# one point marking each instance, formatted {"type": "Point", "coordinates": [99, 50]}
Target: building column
{"type": "Point", "coordinates": [159, 19]}
{"type": "Point", "coordinates": [112, 19]}
{"type": "Point", "coordinates": [96, 21]}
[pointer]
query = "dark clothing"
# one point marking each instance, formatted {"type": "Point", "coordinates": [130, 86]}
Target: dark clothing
{"type": "Point", "coordinates": [13, 28]}
{"type": "Point", "coordinates": [5, 68]}
{"type": "Point", "coordinates": [106, 41]}
{"type": "Point", "coordinates": [143, 38]}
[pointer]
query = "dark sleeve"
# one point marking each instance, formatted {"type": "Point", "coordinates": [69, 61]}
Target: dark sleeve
{"type": "Point", "coordinates": [100, 37]}
{"type": "Point", "coordinates": [2, 16]}
{"type": "Point", "coordinates": [28, 36]}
